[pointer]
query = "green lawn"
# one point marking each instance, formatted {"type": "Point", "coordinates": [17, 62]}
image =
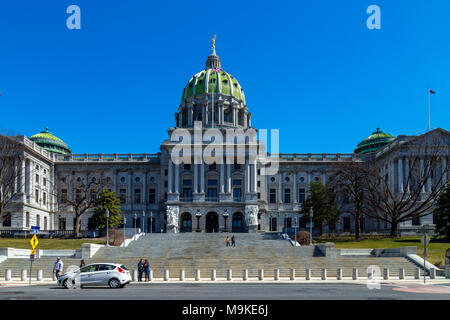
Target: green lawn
{"type": "Point", "coordinates": [54, 244]}
{"type": "Point", "coordinates": [436, 247]}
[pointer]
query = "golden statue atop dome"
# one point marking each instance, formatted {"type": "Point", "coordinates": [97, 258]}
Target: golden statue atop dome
{"type": "Point", "coordinates": [214, 42]}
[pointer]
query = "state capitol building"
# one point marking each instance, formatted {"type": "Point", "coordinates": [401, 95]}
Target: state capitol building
{"type": "Point", "coordinates": [163, 196]}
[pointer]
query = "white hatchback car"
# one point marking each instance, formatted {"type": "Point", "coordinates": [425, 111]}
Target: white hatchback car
{"type": "Point", "coordinates": [97, 274]}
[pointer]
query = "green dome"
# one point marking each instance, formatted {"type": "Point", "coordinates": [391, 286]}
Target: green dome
{"type": "Point", "coordinates": [50, 142]}
{"type": "Point", "coordinates": [213, 80]}
{"type": "Point", "coordinates": [374, 142]}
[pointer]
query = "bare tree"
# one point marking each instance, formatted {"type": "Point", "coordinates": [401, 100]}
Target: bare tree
{"type": "Point", "coordinates": [12, 177]}
{"type": "Point", "coordinates": [420, 183]}
{"type": "Point", "coordinates": [348, 181]}
{"type": "Point", "coordinates": [79, 192]}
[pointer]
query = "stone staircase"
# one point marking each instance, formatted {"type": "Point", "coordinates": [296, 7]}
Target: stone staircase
{"type": "Point", "coordinates": [207, 251]}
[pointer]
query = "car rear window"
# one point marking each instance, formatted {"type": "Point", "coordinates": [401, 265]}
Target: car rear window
{"type": "Point", "coordinates": [123, 267]}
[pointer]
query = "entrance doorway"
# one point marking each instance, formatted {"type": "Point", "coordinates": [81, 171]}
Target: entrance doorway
{"type": "Point", "coordinates": [186, 222]}
{"type": "Point", "coordinates": [273, 224]}
{"type": "Point", "coordinates": [238, 222]}
{"type": "Point", "coordinates": [212, 222]}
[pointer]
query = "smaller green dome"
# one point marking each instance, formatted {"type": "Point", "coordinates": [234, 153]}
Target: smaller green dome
{"type": "Point", "coordinates": [50, 142]}
{"type": "Point", "coordinates": [374, 142]}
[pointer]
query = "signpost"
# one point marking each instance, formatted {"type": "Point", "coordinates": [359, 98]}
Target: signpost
{"type": "Point", "coordinates": [425, 240]}
{"type": "Point", "coordinates": [33, 242]}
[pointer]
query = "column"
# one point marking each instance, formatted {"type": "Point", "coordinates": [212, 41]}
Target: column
{"type": "Point", "coordinates": [295, 193]}
{"type": "Point", "coordinates": [130, 188]}
{"type": "Point", "coordinates": [400, 175]}
{"type": "Point", "coordinates": [280, 187]}
{"type": "Point", "coordinates": [177, 178]}
{"type": "Point", "coordinates": [422, 174]}
{"type": "Point", "coordinates": [195, 177]}
{"type": "Point", "coordinates": [202, 177]}
{"type": "Point", "coordinates": [247, 176]}
{"type": "Point", "coordinates": [254, 177]}
{"type": "Point", "coordinates": [222, 178]}
{"type": "Point", "coordinates": [233, 110]}
{"type": "Point", "coordinates": [144, 189]}
{"type": "Point", "coordinates": [191, 115]}
{"type": "Point", "coordinates": [308, 181]}
{"type": "Point", "coordinates": [229, 178]}
{"type": "Point", "coordinates": [408, 178]}
{"type": "Point", "coordinates": [221, 115]}
{"type": "Point", "coordinates": [170, 175]}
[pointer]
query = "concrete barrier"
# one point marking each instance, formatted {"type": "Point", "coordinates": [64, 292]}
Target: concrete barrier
{"type": "Point", "coordinates": [261, 274]}
{"type": "Point", "coordinates": [355, 274]}
{"type": "Point", "coordinates": [229, 275]}
{"type": "Point", "coordinates": [134, 275]}
{"type": "Point", "coordinates": [40, 275]}
{"type": "Point", "coordinates": [324, 274]}
{"type": "Point", "coordinates": [401, 273]}
{"type": "Point", "coordinates": [276, 274]}
{"type": "Point", "coordinates": [24, 275]}
{"type": "Point", "coordinates": [245, 275]}
{"type": "Point", "coordinates": [197, 275]}
{"type": "Point", "coordinates": [339, 274]}
{"type": "Point", "coordinates": [8, 274]}
{"type": "Point", "coordinates": [386, 273]}
{"type": "Point", "coordinates": [150, 275]}
{"type": "Point", "coordinates": [432, 273]}
{"type": "Point", "coordinates": [308, 274]}
{"type": "Point", "coordinates": [416, 273]}
{"type": "Point", "coordinates": [182, 275]}
{"type": "Point", "coordinates": [213, 274]}
{"type": "Point", "coordinates": [292, 274]}
{"type": "Point", "coordinates": [166, 274]}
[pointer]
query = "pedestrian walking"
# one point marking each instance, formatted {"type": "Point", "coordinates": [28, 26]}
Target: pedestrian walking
{"type": "Point", "coordinates": [228, 241]}
{"type": "Point", "coordinates": [82, 264]}
{"type": "Point", "coordinates": [58, 267]}
{"type": "Point", "coordinates": [147, 270]}
{"type": "Point", "coordinates": [233, 241]}
{"type": "Point", "coordinates": [140, 269]}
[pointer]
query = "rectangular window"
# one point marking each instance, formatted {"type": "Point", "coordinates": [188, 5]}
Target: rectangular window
{"type": "Point", "coordinates": [45, 182]}
{"type": "Point", "coordinates": [123, 196]}
{"type": "Point", "coordinates": [27, 220]}
{"type": "Point", "coordinates": [273, 196]}
{"type": "Point", "coordinates": [212, 182]}
{"type": "Point", "coordinates": [289, 222]}
{"type": "Point", "coordinates": [44, 198]}
{"type": "Point", "coordinates": [187, 182]}
{"type": "Point", "coordinates": [166, 184]}
{"type": "Point", "coordinates": [287, 195]}
{"type": "Point", "coordinates": [259, 195]}
{"type": "Point", "coordinates": [62, 224]}
{"type": "Point", "coordinates": [93, 194]}
{"type": "Point", "coordinates": [77, 195]}
{"type": "Point", "coordinates": [37, 178]}
{"type": "Point", "coordinates": [38, 220]}
{"type": "Point", "coordinates": [63, 195]}
{"type": "Point", "coordinates": [212, 166]}
{"type": "Point", "coordinates": [36, 196]}
{"type": "Point", "coordinates": [137, 196]}
{"type": "Point", "coordinates": [45, 223]}
{"type": "Point", "coordinates": [237, 166]}
{"type": "Point", "coordinates": [187, 167]}
{"type": "Point", "coordinates": [152, 196]}
{"type": "Point", "coordinates": [187, 194]}
{"type": "Point", "coordinates": [237, 194]}
{"type": "Point", "coordinates": [165, 172]}
{"type": "Point", "coordinates": [237, 182]}
{"type": "Point", "coordinates": [259, 184]}
{"type": "Point", "coordinates": [301, 195]}
{"type": "Point", "coordinates": [259, 172]}
{"type": "Point", "coordinates": [212, 194]}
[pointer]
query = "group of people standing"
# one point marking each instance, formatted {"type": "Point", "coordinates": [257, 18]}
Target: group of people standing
{"type": "Point", "coordinates": [231, 242]}
{"type": "Point", "coordinates": [143, 268]}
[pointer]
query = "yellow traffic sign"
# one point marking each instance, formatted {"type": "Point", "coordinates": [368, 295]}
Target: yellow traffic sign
{"type": "Point", "coordinates": [34, 242]}
{"type": "Point", "coordinates": [33, 251]}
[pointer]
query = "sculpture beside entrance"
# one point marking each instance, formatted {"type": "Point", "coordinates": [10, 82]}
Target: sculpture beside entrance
{"type": "Point", "coordinates": [251, 217]}
{"type": "Point", "coordinates": [173, 213]}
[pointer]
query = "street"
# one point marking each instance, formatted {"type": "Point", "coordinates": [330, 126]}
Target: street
{"type": "Point", "coordinates": [233, 291]}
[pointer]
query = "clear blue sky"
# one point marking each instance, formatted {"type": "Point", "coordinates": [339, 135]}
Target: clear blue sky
{"type": "Point", "coordinates": [311, 69]}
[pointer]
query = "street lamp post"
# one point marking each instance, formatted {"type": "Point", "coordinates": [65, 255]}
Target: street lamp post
{"type": "Point", "coordinates": [124, 223]}
{"type": "Point", "coordinates": [198, 215]}
{"type": "Point", "coordinates": [225, 216]}
{"type": "Point", "coordinates": [310, 224]}
{"type": "Point", "coordinates": [295, 228]}
{"type": "Point", "coordinates": [135, 222]}
{"type": "Point", "coordinates": [151, 221]}
{"type": "Point", "coordinates": [107, 227]}
{"type": "Point", "coordinates": [143, 221]}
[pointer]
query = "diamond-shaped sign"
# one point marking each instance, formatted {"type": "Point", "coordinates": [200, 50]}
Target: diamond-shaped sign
{"type": "Point", "coordinates": [34, 242]}
{"type": "Point", "coordinates": [33, 251]}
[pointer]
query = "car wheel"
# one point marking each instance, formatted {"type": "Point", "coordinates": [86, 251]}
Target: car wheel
{"type": "Point", "coordinates": [68, 284]}
{"type": "Point", "coordinates": [114, 283]}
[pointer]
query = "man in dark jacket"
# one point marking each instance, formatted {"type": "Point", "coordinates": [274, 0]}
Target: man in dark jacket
{"type": "Point", "coordinates": [140, 269]}
{"type": "Point", "coordinates": [147, 270]}
{"type": "Point", "coordinates": [233, 243]}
